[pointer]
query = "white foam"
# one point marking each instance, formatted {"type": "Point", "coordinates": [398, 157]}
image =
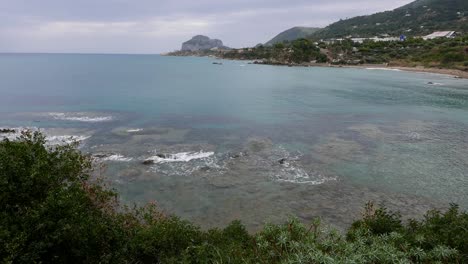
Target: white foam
{"type": "Point", "coordinates": [117, 157]}
{"type": "Point", "coordinates": [134, 130]}
{"type": "Point", "coordinates": [383, 69]}
{"type": "Point", "coordinates": [435, 83]}
{"type": "Point", "coordinates": [292, 172]}
{"type": "Point", "coordinates": [65, 139]}
{"type": "Point", "coordinates": [50, 139]}
{"type": "Point", "coordinates": [80, 117]}
{"type": "Point", "coordinates": [182, 157]}
{"type": "Point", "coordinates": [15, 135]}
{"type": "Point", "coordinates": [297, 175]}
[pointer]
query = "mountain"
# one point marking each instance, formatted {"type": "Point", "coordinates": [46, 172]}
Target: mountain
{"type": "Point", "coordinates": [420, 17]}
{"type": "Point", "coordinates": [292, 34]}
{"type": "Point", "coordinates": [202, 43]}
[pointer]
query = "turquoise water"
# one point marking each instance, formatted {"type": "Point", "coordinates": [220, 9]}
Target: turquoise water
{"type": "Point", "coordinates": [250, 142]}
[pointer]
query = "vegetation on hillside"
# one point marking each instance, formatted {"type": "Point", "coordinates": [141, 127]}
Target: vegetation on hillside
{"type": "Point", "coordinates": [443, 53]}
{"type": "Point", "coordinates": [292, 34]}
{"type": "Point", "coordinates": [440, 53]}
{"type": "Point", "coordinates": [53, 211]}
{"type": "Point", "coordinates": [298, 51]}
{"type": "Point", "coordinates": [418, 18]}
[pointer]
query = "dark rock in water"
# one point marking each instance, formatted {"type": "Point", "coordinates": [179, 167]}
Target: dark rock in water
{"type": "Point", "coordinates": [205, 168]}
{"type": "Point", "coordinates": [162, 156]}
{"type": "Point", "coordinates": [235, 155]}
{"type": "Point", "coordinates": [101, 155]}
{"type": "Point", "coordinates": [7, 131]}
{"type": "Point", "coordinates": [430, 83]}
{"type": "Point", "coordinates": [218, 63]}
{"type": "Point", "coordinates": [282, 161]}
{"type": "Point", "coordinates": [148, 162]}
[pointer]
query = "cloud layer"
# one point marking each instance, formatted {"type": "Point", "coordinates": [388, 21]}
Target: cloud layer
{"type": "Point", "coordinates": [148, 26]}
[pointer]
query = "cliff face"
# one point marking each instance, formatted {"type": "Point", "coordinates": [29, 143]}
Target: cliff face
{"type": "Point", "coordinates": [202, 43]}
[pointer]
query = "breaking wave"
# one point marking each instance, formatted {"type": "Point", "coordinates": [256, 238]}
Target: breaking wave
{"type": "Point", "coordinates": [134, 130]}
{"type": "Point", "coordinates": [80, 117]}
{"type": "Point", "coordinates": [181, 157]}
{"type": "Point", "coordinates": [52, 140]}
{"type": "Point", "coordinates": [116, 157]}
{"type": "Point", "coordinates": [66, 139]}
{"type": "Point", "coordinates": [383, 69]}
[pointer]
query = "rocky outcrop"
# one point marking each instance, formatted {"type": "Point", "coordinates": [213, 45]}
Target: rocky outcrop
{"type": "Point", "coordinates": [202, 43]}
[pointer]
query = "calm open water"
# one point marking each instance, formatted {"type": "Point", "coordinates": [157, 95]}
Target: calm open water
{"type": "Point", "coordinates": [250, 142]}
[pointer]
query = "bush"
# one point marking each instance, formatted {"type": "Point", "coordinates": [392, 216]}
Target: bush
{"type": "Point", "coordinates": [53, 211]}
{"type": "Point", "coordinates": [49, 210]}
{"type": "Point", "coordinates": [378, 221]}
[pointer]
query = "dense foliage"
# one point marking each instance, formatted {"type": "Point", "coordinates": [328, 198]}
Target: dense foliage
{"type": "Point", "coordinates": [292, 34]}
{"type": "Point", "coordinates": [53, 211]}
{"type": "Point", "coordinates": [446, 53]}
{"type": "Point", "coordinates": [418, 18]}
{"type": "Point", "coordinates": [442, 53]}
{"type": "Point", "coordinates": [296, 52]}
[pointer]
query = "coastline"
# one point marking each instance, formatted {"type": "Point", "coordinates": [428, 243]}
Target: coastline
{"type": "Point", "coordinates": [459, 74]}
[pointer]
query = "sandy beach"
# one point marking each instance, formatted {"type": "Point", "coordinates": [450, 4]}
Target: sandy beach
{"type": "Point", "coordinates": [452, 72]}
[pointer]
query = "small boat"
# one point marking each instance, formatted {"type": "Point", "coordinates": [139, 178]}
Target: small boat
{"type": "Point", "coordinates": [218, 63]}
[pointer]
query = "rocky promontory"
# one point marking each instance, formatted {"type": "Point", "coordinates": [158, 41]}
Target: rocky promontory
{"type": "Point", "coordinates": [200, 42]}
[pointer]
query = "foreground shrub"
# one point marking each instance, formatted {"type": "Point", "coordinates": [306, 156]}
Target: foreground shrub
{"type": "Point", "coordinates": [53, 211]}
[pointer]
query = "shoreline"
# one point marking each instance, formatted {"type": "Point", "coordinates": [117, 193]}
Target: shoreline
{"type": "Point", "coordinates": [458, 74]}
{"type": "Point", "coordinates": [454, 73]}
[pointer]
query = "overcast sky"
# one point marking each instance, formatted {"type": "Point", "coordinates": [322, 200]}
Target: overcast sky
{"type": "Point", "coordinates": [154, 26]}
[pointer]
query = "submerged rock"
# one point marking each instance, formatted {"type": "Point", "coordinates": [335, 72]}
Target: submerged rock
{"type": "Point", "coordinates": [7, 131]}
{"type": "Point", "coordinates": [148, 162]}
{"type": "Point", "coordinates": [101, 155]}
{"type": "Point", "coordinates": [162, 156]}
{"type": "Point", "coordinates": [205, 168]}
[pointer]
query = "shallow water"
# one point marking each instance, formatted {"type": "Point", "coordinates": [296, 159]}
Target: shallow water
{"type": "Point", "coordinates": [257, 143]}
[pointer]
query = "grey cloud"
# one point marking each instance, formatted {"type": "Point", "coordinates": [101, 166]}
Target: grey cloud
{"type": "Point", "coordinates": [146, 26]}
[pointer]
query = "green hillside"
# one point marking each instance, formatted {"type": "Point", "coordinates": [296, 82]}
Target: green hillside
{"type": "Point", "coordinates": [418, 18]}
{"type": "Point", "coordinates": [292, 34]}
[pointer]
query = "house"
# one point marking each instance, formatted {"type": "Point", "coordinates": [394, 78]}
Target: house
{"type": "Point", "coordinates": [440, 34]}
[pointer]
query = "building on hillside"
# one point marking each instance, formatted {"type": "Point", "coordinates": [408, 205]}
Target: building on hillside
{"type": "Point", "coordinates": [375, 39]}
{"type": "Point", "coordinates": [361, 40]}
{"type": "Point", "coordinates": [441, 34]}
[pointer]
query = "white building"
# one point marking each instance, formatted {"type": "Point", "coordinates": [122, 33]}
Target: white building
{"type": "Point", "coordinates": [440, 34]}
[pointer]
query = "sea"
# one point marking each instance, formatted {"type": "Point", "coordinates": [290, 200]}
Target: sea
{"type": "Point", "coordinates": [213, 143]}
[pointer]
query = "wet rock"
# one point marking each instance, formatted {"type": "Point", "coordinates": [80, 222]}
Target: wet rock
{"type": "Point", "coordinates": [282, 161]}
{"type": "Point", "coordinates": [259, 145]}
{"type": "Point", "coordinates": [101, 155]}
{"type": "Point", "coordinates": [205, 168]}
{"type": "Point", "coordinates": [148, 162]}
{"type": "Point", "coordinates": [430, 83]}
{"type": "Point", "coordinates": [235, 155]}
{"type": "Point", "coordinates": [7, 131]}
{"type": "Point", "coordinates": [162, 156]}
